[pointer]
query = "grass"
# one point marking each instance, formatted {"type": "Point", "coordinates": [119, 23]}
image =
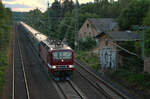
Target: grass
{"type": "Point", "coordinates": [87, 57]}
{"type": "Point", "coordinates": [3, 59]}
{"type": "Point", "coordinates": [3, 64]}
{"type": "Point", "coordinates": [138, 81]}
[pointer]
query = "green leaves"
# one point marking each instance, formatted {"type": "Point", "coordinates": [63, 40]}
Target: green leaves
{"type": "Point", "coordinates": [5, 24]}
{"type": "Point", "coordinates": [140, 81]}
{"type": "Point", "coordinates": [133, 14]}
{"type": "Point", "coordinates": [87, 44]}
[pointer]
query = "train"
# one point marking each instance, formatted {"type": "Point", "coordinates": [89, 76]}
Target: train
{"type": "Point", "coordinates": [58, 57]}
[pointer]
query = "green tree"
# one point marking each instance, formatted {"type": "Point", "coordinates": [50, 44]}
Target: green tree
{"type": "Point", "coordinates": [133, 14]}
{"type": "Point", "coordinates": [67, 6]}
{"type": "Point", "coordinates": [66, 27]}
{"type": "Point", "coordinates": [146, 21]}
{"type": "Point", "coordinates": [87, 44]}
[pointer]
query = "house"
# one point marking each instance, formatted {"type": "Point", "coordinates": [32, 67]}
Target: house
{"type": "Point", "coordinates": [147, 64]}
{"type": "Point", "coordinates": [107, 34]}
{"type": "Point", "coordinates": [109, 48]}
{"type": "Point", "coordinates": [115, 37]}
{"type": "Point", "coordinates": [94, 26]}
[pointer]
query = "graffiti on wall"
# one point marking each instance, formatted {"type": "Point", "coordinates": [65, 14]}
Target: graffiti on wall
{"type": "Point", "coordinates": [107, 58]}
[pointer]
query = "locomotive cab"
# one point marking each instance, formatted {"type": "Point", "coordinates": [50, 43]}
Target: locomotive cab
{"type": "Point", "coordinates": [62, 62]}
{"type": "Point", "coordinates": [59, 59]}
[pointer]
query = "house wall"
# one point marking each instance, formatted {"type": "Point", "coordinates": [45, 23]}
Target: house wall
{"type": "Point", "coordinates": [102, 43]}
{"type": "Point", "coordinates": [87, 30]}
{"type": "Point", "coordinates": [116, 28]}
{"type": "Point", "coordinates": [147, 65]}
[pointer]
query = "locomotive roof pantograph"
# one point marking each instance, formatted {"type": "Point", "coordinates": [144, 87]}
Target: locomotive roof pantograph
{"type": "Point", "coordinates": [56, 44]}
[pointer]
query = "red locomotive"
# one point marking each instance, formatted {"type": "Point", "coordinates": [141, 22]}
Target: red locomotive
{"type": "Point", "coordinates": [58, 57]}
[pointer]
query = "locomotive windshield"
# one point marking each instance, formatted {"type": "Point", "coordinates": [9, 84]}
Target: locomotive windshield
{"type": "Point", "coordinates": [62, 55]}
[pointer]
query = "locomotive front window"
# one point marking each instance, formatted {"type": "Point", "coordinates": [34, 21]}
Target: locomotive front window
{"type": "Point", "coordinates": [62, 55]}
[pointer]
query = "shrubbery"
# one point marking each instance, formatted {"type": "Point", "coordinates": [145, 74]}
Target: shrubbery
{"type": "Point", "coordinates": [5, 27]}
{"type": "Point", "coordinates": [88, 57]}
{"type": "Point", "coordinates": [130, 79]}
{"type": "Point", "coordinates": [87, 44]}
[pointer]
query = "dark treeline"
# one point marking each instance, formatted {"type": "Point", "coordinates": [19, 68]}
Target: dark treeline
{"type": "Point", "coordinates": [5, 25]}
{"type": "Point", "coordinates": [62, 17]}
{"type": "Point", "coordinates": [5, 29]}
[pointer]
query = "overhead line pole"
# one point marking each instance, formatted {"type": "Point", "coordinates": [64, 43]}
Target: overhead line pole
{"type": "Point", "coordinates": [49, 23]}
{"type": "Point", "coordinates": [76, 28]}
{"type": "Point", "coordinates": [143, 38]}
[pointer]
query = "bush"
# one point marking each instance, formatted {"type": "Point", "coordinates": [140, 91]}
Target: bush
{"type": "Point", "coordinates": [139, 81]}
{"type": "Point", "coordinates": [87, 44]}
{"type": "Point", "coordinates": [89, 58]}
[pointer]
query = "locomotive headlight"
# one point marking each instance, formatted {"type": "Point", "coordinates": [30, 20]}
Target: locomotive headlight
{"type": "Point", "coordinates": [71, 66]}
{"type": "Point", "coordinates": [54, 67]}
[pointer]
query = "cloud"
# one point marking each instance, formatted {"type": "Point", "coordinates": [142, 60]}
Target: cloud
{"type": "Point", "coordinates": [27, 5]}
{"type": "Point", "coordinates": [17, 6]}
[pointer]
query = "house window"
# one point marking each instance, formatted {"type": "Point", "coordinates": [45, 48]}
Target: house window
{"type": "Point", "coordinates": [87, 25]}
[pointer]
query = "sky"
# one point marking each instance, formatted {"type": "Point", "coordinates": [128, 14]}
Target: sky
{"type": "Point", "coordinates": [26, 5]}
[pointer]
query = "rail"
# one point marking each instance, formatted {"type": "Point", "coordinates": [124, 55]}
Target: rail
{"type": "Point", "coordinates": [97, 85]}
{"type": "Point", "coordinates": [69, 90]}
{"type": "Point", "coordinates": [23, 70]}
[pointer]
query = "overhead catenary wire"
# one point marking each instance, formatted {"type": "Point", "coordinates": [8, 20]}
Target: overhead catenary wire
{"type": "Point", "coordinates": [129, 52]}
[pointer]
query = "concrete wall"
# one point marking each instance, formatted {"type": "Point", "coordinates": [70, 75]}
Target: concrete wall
{"type": "Point", "coordinates": [147, 65]}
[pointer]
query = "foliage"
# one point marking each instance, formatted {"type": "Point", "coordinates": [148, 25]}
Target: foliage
{"type": "Point", "coordinates": [5, 26]}
{"type": "Point", "coordinates": [139, 81]}
{"type": "Point", "coordinates": [131, 62]}
{"type": "Point", "coordinates": [87, 44]}
{"type": "Point", "coordinates": [3, 63]}
{"type": "Point", "coordinates": [146, 21]}
{"type": "Point", "coordinates": [88, 57]}
{"type": "Point", "coordinates": [133, 14]}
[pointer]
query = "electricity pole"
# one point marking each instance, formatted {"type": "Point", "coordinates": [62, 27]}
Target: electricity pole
{"type": "Point", "coordinates": [49, 22]}
{"type": "Point", "coordinates": [143, 38]}
{"type": "Point", "coordinates": [76, 43]}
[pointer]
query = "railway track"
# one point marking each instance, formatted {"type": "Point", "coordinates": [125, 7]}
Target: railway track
{"type": "Point", "coordinates": [22, 66]}
{"type": "Point", "coordinates": [69, 90]}
{"type": "Point", "coordinates": [106, 89]}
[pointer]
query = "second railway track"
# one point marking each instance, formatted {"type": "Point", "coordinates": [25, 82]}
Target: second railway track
{"type": "Point", "coordinates": [24, 73]}
{"type": "Point", "coordinates": [106, 89]}
{"type": "Point", "coordinates": [17, 43]}
{"type": "Point", "coordinates": [69, 90]}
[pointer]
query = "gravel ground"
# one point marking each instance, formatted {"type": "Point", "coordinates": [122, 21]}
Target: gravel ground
{"type": "Point", "coordinates": [86, 87]}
